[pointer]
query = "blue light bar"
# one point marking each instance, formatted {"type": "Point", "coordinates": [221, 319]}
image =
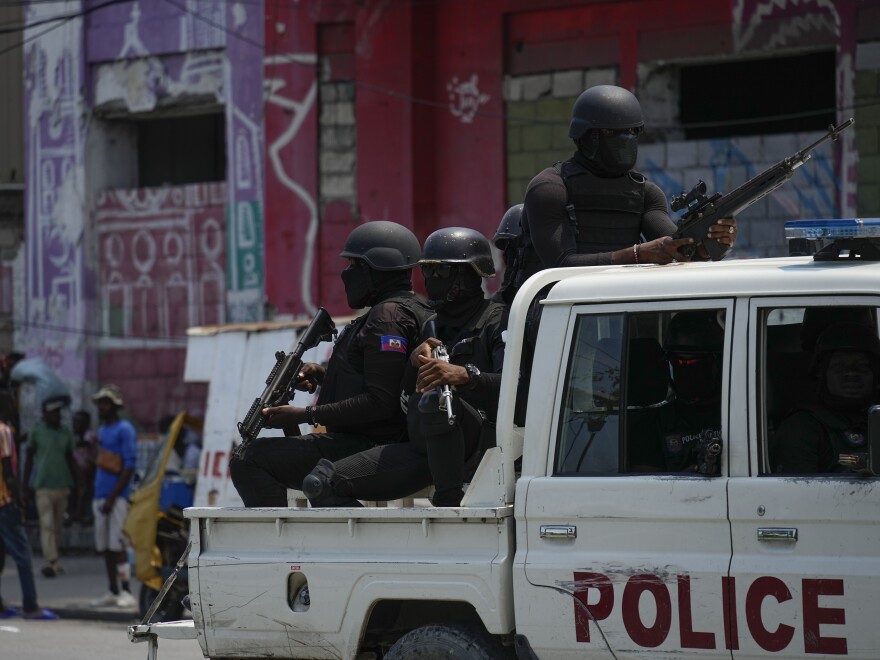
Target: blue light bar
{"type": "Point", "coordinates": [838, 228]}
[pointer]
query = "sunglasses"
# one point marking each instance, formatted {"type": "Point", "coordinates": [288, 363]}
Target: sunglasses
{"type": "Point", "coordinates": [607, 132]}
{"type": "Point", "coordinates": [437, 270]}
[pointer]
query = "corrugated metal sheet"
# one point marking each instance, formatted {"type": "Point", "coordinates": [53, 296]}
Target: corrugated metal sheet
{"type": "Point", "coordinates": [11, 98]}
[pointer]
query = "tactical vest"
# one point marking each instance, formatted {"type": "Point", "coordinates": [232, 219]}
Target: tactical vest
{"type": "Point", "coordinates": [344, 379]}
{"type": "Point", "coordinates": [605, 214]}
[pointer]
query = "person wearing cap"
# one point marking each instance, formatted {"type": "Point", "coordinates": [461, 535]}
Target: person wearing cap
{"type": "Point", "coordinates": [359, 399]}
{"type": "Point", "coordinates": [811, 440]}
{"type": "Point", "coordinates": [12, 533]}
{"type": "Point", "coordinates": [117, 457]}
{"type": "Point", "coordinates": [49, 472]}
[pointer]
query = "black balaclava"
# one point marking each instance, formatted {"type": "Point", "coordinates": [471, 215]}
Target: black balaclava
{"type": "Point", "coordinates": [365, 286]}
{"type": "Point", "coordinates": [456, 297]}
{"type": "Point", "coordinates": [696, 378]}
{"type": "Point", "coordinates": [607, 155]}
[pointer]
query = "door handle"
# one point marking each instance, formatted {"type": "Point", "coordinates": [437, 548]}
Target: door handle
{"type": "Point", "coordinates": [559, 532]}
{"type": "Point", "coordinates": [785, 534]}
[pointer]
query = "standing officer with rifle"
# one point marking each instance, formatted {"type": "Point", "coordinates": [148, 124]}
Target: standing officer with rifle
{"type": "Point", "coordinates": [443, 446]}
{"type": "Point", "coordinates": [359, 398]}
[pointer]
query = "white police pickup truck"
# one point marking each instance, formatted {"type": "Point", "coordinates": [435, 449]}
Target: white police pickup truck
{"type": "Point", "coordinates": [598, 544]}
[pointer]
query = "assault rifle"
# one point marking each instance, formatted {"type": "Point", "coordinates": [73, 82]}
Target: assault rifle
{"type": "Point", "coordinates": [283, 378]}
{"type": "Point", "coordinates": [702, 211]}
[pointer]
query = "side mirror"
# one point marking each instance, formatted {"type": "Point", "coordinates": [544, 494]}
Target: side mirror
{"type": "Point", "coordinates": [873, 440]}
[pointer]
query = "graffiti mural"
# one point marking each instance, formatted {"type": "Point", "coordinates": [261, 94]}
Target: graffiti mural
{"type": "Point", "coordinates": [244, 170]}
{"type": "Point", "coordinates": [297, 110]}
{"type": "Point", "coordinates": [161, 260]}
{"type": "Point", "coordinates": [54, 319]}
{"type": "Point", "coordinates": [465, 98]}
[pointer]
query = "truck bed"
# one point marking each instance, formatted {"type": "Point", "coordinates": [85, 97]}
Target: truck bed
{"type": "Point", "coordinates": [247, 568]}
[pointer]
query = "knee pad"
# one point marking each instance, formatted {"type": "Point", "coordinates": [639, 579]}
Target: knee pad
{"type": "Point", "coordinates": [320, 480]}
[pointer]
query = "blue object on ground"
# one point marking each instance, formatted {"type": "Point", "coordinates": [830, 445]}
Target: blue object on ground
{"type": "Point", "coordinates": [42, 615]}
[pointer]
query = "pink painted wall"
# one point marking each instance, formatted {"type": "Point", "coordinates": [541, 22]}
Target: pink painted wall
{"type": "Point", "coordinates": [161, 269]}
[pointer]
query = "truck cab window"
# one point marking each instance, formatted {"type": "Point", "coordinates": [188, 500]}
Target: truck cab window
{"type": "Point", "coordinates": [821, 374]}
{"type": "Point", "coordinates": [643, 394]}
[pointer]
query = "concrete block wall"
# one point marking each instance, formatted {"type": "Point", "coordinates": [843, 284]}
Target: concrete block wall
{"type": "Point", "coordinates": [538, 110]}
{"type": "Point", "coordinates": [338, 155]}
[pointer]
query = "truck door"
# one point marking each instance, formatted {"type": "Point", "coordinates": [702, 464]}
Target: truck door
{"type": "Point", "coordinates": [623, 537]}
{"type": "Point", "coordinates": [806, 568]}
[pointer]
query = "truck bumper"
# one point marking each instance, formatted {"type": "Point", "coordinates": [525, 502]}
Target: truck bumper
{"type": "Point", "coordinates": [151, 632]}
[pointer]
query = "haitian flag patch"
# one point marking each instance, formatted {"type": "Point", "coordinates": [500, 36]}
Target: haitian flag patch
{"type": "Point", "coordinates": [392, 343]}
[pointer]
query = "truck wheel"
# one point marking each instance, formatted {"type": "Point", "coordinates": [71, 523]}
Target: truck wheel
{"type": "Point", "coordinates": [449, 642]}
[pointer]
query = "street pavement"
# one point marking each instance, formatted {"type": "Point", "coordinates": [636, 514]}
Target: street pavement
{"type": "Point", "coordinates": [68, 595]}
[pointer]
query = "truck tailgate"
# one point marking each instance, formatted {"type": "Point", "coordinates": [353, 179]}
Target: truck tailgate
{"type": "Point", "coordinates": [247, 566]}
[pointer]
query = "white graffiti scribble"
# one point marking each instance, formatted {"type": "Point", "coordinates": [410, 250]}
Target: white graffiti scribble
{"type": "Point", "coordinates": [744, 28]}
{"type": "Point", "coordinates": [299, 110]}
{"type": "Point", "coordinates": [465, 98]}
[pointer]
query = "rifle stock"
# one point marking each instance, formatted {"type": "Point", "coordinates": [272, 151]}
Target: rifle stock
{"type": "Point", "coordinates": [283, 378]}
{"type": "Point", "coordinates": [702, 212]}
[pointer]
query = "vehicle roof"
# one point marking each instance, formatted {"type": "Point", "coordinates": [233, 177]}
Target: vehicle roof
{"type": "Point", "coordinates": [734, 278]}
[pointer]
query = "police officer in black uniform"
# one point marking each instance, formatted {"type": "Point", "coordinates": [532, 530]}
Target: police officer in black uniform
{"type": "Point", "coordinates": [685, 436]}
{"type": "Point", "coordinates": [593, 209]}
{"type": "Point", "coordinates": [358, 401]}
{"type": "Point", "coordinates": [813, 438]}
{"type": "Point", "coordinates": [454, 261]}
{"type": "Point", "coordinates": [508, 239]}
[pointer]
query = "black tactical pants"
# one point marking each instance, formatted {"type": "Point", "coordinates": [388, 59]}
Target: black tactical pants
{"type": "Point", "coordinates": [272, 465]}
{"type": "Point", "coordinates": [435, 453]}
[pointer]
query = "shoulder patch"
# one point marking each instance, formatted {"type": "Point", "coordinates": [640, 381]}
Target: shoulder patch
{"type": "Point", "coordinates": [393, 343]}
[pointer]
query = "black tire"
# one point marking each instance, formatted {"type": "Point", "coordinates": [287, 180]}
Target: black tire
{"type": "Point", "coordinates": [450, 642]}
{"type": "Point", "coordinates": [171, 608]}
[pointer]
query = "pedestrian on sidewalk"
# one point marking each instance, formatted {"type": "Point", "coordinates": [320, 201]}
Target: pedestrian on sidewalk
{"type": "Point", "coordinates": [49, 472]}
{"type": "Point", "coordinates": [12, 531]}
{"type": "Point", "coordinates": [117, 457]}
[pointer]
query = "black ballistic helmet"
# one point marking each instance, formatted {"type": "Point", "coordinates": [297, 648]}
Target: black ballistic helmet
{"type": "Point", "coordinates": [604, 106]}
{"type": "Point", "coordinates": [510, 228]}
{"type": "Point", "coordinates": [384, 245]}
{"type": "Point", "coordinates": [847, 337]}
{"type": "Point", "coordinates": [459, 245]}
{"type": "Point", "coordinates": [694, 332]}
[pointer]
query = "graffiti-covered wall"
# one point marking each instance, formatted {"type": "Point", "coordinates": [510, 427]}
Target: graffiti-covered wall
{"type": "Point", "coordinates": [88, 85]}
{"type": "Point", "coordinates": [161, 269]}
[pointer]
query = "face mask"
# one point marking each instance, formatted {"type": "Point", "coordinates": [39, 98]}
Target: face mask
{"type": "Point", "coordinates": [358, 286]}
{"type": "Point", "coordinates": [695, 377]}
{"type": "Point", "coordinates": [441, 290]}
{"type": "Point", "coordinates": [617, 152]}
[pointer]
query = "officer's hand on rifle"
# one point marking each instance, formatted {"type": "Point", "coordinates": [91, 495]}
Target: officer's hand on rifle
{"type": "Point", "coordinates": [284, 417]}
{"type": "Point", "coordinates": [310, 376]}
{"type": "Point", "coordinates": [435, 373]}
{"type": "Point", "coordinates": [663, 250]}
{"type": "Point", "coordinates": [724, 232]}
{"type": "Point", "coordinates": [425, 349]}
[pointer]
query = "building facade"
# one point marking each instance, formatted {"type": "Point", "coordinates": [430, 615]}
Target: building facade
{"type": "Point", "coordinates": [190, 162]}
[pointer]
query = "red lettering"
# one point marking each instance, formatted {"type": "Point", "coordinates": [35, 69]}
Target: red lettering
{"type": "Point", "coordinates": [762, 588]}
{"type": "Point", "coordinates": [632, 620]}
{"type": "Point", "coordinates": [599, 610]}
{"type": "Point", "coordinates": [689, 638]}
{"type": "Point", "coordinates": [814, 616]}
{"type": "Point", "coordinates": [217, 469]}
{"type": "Point", "coordinates": [728, 599]}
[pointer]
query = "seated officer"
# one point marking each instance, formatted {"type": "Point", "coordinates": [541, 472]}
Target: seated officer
{"type": "Point", "coordinates": [845, 363]}
{"type": "Point", "coordinates": [358, 402]}
{"type": "Point", "coordinates": [454, 261]}
{"type": "Point", "coordinates": [684, 434]}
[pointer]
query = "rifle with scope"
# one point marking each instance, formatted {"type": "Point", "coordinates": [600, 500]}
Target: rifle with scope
{"type": "Point", "coordinates": [283, 379]}
{"type": "Point", "coordinates": [703, 211]}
